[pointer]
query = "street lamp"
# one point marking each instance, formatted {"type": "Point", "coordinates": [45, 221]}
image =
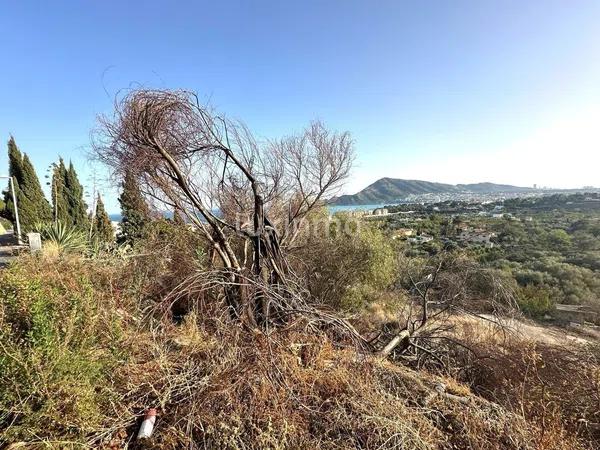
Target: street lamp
{"type": "Point", "coordinates": [93, 210]}
{"type": "Point", "coordinates": [54, 192]}
{"type": "Point", "coordinates": [11, 182]}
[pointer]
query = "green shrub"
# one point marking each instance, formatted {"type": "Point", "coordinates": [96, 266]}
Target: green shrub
{"type": "Point", "coordinates": [62, 237]}
{"type": "Point", "coordinates": [535, 301]}
{"type": "Point", "coordinates": [7, 224]}
{"type": "Point", "coordinates": [349, 267]}
{"type": "Point", "coordinates": [58, 345]}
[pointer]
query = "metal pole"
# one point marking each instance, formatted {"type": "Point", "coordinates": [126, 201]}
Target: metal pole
{"type": "Point", "coordinates": [55, 203]}
{"type": "Point", "coordinates": [12, 189]}
{"type": "Point", "coordinates": [93, 215]}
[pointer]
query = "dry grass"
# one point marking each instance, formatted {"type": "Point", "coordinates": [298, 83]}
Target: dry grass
{"type": "Point", "coordinates": [553, 385]}
{"type": "Point", "coordinates": [234, 389]}
{"type": "Point", "coordinates": [219, 385]}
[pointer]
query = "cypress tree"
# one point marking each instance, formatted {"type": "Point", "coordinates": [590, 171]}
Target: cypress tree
{"type": "Point", "coordinates": [32, 189]}
{"type": "Point", "coordinates": [103, 230]}
{"type": "Point", "coordinates": [15, 160]}
{"type": "Point", "coordinates": [60, 201]}
{"type": "Point", "coordinates": [15, 170]}
{"type": "Point", "coordinates": [134, 210]}
{"type": "Point", "coordinates": [76, 207]}
{"type": "Point", "coordinates": [32, 204]}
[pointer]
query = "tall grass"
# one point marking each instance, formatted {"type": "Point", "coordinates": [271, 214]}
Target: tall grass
{"type": "Point", "coordinates": [60, 341]}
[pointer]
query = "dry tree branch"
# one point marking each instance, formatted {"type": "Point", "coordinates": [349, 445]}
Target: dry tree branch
{"type": "Point", "coordinates": [222, 179]}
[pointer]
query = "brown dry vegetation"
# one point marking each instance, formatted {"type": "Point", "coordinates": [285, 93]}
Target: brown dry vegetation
{"type": "Point", "coordinates": [555, 386]}
{"type": "Point", "coordinates": [218, 384]}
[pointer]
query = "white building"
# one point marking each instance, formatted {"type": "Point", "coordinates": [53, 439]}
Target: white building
{"type": "Point", "coordinates": [380, 212]}
{"type": "Point", "coordinates": [477, 237]}
{"type": "Point", "coordinates": [420, 239]}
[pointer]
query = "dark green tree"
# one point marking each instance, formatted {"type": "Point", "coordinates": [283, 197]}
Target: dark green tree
{"type": "Point", "coordinates": [32, 189]}
{"type": "Point", "coordinates": [32, 204]}
{"type": "Point", "coordinates": [60, 201]}
{"type": "Point", "coordinates": [73, 192]}
{"type": "Point", "coordinates": [102, 228]}
{"type": "Point", "coordinates": [15, 170]}
{"type": "Point", "coordinates": [135, 211]}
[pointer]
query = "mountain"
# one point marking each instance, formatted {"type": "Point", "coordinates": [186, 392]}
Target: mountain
{"type": "Point", "coordinates": [491, 188]}
{"type": "Point", "coordinates": [390, 190]}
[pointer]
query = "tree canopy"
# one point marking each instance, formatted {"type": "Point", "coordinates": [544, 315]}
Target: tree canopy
{"type": "Point", "coordinates": [102, 227]}
{"type": "Point", "coordinates": [32, 204]}
{"type": "Point", "coordinates": [135, 211]}
{"type": "Point", "coordinates": [67, 197]}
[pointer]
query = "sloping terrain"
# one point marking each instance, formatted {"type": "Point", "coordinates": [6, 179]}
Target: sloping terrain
{"type": "Point", "coordinates": [390, 190]}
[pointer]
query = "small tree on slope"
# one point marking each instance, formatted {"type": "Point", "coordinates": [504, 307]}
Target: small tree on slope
{"type": "Point", "coordinates": [74, 193]}
{"type": "Point", "coordinates": [103, 229]}
{"type": "Point", "coordinates": [32, 204]}
{"type": "Point", "coordinates": [135, 211]}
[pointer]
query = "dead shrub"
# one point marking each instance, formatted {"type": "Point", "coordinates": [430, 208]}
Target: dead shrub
{"type": "Point", "coordinates": [221, 387]}
{"type": "Point", "coordinates": [556, 387]}
{"type": "Point", "coordinates": [220, 384]}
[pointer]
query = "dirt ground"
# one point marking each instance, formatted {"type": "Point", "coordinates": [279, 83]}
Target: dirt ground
{"type": "Point", "coordinates": [546, 333]}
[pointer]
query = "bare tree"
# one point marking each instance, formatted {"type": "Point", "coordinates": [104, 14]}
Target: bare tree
{"type": "Point", "coordinates": [238, 192]}
{"type": "Point", "coordinates": [444, 286]}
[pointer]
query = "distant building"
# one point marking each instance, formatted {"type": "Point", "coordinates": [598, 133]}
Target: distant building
{"type": "Point", "coordinates": [422, 238]}
{"type": "Point", "coordinates": [116, 227]}
{"type": "Point", "coordinates": [477, 236]}
{"type": "Point", "coordinates": [503, 216]}
{"type": "Point", "coordinates": [402, 233]}
{"type": "Point", "coordinates": [358, 213]}
{"type": "Point", "coordinates": [380, 212]}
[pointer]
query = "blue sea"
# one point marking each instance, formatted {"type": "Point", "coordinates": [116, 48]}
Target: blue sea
{"type": "Point", "coordinates": [333, 209]}
{"type": "Point", "coordinates": [116, 217]}
{"type": "Point", "coordinates": [338, 208]}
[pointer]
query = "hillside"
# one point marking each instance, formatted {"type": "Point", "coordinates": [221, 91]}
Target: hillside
{"type": "Point", "coordinates": [389, 190]}
{"type": "Point", "coordinates": [490, 188]}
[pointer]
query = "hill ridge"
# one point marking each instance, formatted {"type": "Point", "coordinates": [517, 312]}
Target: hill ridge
{"type": "Point", "coordinates": [389, 190]}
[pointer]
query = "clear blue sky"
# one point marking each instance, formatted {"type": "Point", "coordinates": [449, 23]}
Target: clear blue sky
{"type": "Point", "coordinates": [451, 91]}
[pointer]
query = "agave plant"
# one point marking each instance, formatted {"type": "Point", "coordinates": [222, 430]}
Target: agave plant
{"type": "Point", "coordinates": [63, 237]}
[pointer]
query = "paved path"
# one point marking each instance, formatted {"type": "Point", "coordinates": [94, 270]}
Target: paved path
{"type": "Point", "coordinates": [8, 248]}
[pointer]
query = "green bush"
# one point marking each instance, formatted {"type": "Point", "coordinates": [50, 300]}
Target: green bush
{"type": "Point", "coordinates": [7, 224]}
{"type": "Point", "coordinates": [350, 266]}
{"type": "Point", "coordinates": [535, 301]}
{"type": "Point", "coordinates": [58, 345]}
{"type": "Point", "coordinates": [62, 237]}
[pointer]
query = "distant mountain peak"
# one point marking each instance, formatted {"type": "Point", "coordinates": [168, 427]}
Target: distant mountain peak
{"type": "Point", "coordinates": [391, 190]}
